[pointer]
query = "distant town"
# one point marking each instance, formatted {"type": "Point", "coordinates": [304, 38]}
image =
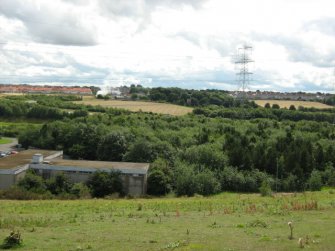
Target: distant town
{"type": "Point", "coordinates": [125, 92]}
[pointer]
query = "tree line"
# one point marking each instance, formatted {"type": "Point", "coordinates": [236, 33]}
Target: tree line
{"type": "Point", "coordinates": [198, 154]}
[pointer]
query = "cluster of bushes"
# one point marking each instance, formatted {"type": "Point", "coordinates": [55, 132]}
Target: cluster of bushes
{"type": "Point", "coordinates": [197, 97]}
{"type": "Point", "coordinates": [33, 186]}
{"type": "Point", "coordinates": [48, 108]}
{"type": "Point", "coordinates": [189, 180]}
{"type": "Point", "coordinates": [208, 146]}
{"type": "Point", "coordinates": [275, 113]}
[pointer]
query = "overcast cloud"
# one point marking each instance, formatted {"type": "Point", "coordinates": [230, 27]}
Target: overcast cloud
{"type": "Point", "coordinates": [183, 43]}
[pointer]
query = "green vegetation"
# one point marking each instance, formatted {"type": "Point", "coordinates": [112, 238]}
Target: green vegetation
{"type": "Point", "coordinates": [196, 97]}
{"type": "Point", "coordinates": [12, 241]}
{"type": "Point", "coordinates": [13, 128]}
{"type": "Point", "coordinates": [230, 146]}
{"type": "Point", "coordinates": [5, 141]}
{"type": "Point", "coordinates": [225, 145]}
{"type": "Point", "coordinates": [211, 147]}
{"type": "Point", "coordinates": [222, 222]}
{"type": "Point", "coordinates": [33, 186]}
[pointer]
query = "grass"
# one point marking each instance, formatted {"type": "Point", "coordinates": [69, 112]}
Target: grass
{"type": "Point", "coordinates": [136, 106]}
{"type": "Point", "coordinates": [223, 222]}
{"type": "Point", "coordinates": [5, 141]}
{"type": "Point", "coordinates": [287, 103]}
{"type": "Point", "coordinates": [12, 128]}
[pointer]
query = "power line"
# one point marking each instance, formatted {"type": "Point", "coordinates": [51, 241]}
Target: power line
{"type": "Point", "coordinates": [242, 62]}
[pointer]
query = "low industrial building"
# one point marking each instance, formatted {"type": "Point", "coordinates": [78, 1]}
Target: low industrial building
{"type": "Point", "coordinates": [50, 163]}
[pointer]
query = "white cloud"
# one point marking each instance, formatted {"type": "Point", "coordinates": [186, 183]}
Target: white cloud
{"type": "Point", "coordinates": [171, 42]}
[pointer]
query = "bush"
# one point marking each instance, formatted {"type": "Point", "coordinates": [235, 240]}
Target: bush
{"type": "Point", "coordinates": [158, 183]}
{"type": "Point", "coordinates": [12, 241]}
{"type": "Point", "coordinates": [159, 178]}
{"type": "Point", "coordinates": [275, 106]}
{"type": "Point", "coordinates": [315, 181]}
{"type": "Point", "coordinates": [185, 182]}
{"type": "Point", "coordinates": [292, 108]}
{"type": "Point", "coordinates": [265, 188]}
{"type": "Point", "coordinates": [207, 184]}
{"type": "Point", "coordinates": [102, 184]}
{"type": "Point", "coordinates": [80, 190]}
{"type": "Point", "coordinates": [32, 182]}
{"type": "Point", "coordinates": [18, 193]}
{"type": "Point", "coordinates": [59, 184]}
{"type": "Point", "coordinates": [329, 175]}
{"type": "Point", "coordinates": [289, 184]}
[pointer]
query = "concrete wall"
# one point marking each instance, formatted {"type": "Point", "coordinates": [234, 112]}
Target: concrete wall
{"type": "Point", "coordinates": [7, 180]}
{"type": "Point", "coordinates": [133, 184]}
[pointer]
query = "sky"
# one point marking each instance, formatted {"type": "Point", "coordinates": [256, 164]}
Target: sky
{"type": "Point", "coordinates": [179, 43]}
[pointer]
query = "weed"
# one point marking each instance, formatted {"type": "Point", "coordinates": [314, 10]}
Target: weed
{"type": "Point", "coordinates": [301, 243]}
{"type": "Point", "coordinates": [175, 245]}
{"type": "Point", "coordinates": [13, 240]}
{"type": "Point", "coordinates": [257, 223]}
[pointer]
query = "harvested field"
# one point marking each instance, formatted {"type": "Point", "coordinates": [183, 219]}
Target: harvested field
{"type": "Point", "coordinates": [288, 103]}
{"type": "Point", "coordinates": [136, 106]}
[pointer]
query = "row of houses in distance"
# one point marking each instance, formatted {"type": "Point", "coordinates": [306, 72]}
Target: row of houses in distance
{"type": "Point", "coordinates": [268, 95]}
{"type": "Point", "coordinates": [45, 89]}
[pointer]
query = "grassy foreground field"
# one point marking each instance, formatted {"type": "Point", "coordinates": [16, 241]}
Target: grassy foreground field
{"type": "Point", "coordinates": [287, 103]}
{"type": "Point", "coordinates": [223, 222]}
{"type": "Point", "coordinates": [136, 106]}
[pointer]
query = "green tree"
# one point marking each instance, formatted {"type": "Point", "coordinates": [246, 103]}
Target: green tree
{"type": "Point", "coordinates": [112, 147]}
{"type": "Point", "coordinates": [275, 106]}
{"type": "Point", "coordinates": [32, 182]}
{"type": "Point", "coordinates": [59, 184]}
{"type": "Point", "coordinates": [102, 184]}
{"type": "Point", "coordinates": [159, 178]}
{"type": "Point", "coordinates": [207, 183]}
{"type": "Point", "coordinates": [185, 180]}
{"type": "Point", "coordinates": [315, 181]}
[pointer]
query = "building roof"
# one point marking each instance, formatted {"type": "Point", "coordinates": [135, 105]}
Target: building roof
{"type": "Point", "coordinates": [23, 158]}
{"type": "Point", "coordinates": [82, 165]}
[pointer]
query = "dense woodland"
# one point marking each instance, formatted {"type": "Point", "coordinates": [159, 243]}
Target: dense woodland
{"type": "Point", "coordinates": [226, 147]}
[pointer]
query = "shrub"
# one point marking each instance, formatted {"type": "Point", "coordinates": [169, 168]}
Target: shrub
{"type": "Point", "coordinates": [185, 182]}
{"type": "Point", "coordinates": [59, 184]}
{"type": "Point", "coordinates": [12, 241]}
{"type": "Point", "coordinates": [158, 183]}
{"type": "Point", "coordinates": [18, 193]}
{"type": "Point", "coordinates": [159, 178]}
{"type": "Point", "coordinates": [207, 184]}
{"type": "Point", "coordinates": [102, 184]}
{"type": "Point", "coordinates": [292, 108]}
{"type": "Point", "coordinates": [265, 188]}
{"type": "Point", "coordinates": [32, 182]}
{"type": "Point", "coordinates": [329, 175]}
{"type": "Point", "coordinates": [80, 190]}
{"type": "Point", "coordinates": [289, 184]}
{"type": "Point", "coordinates": [315, 181]}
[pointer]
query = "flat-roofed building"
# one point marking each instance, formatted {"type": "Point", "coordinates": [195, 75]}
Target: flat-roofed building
{"type": "Point", "coordinates": [50, 163]}
{"type": "Point", "coordinates": [14, 167]}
